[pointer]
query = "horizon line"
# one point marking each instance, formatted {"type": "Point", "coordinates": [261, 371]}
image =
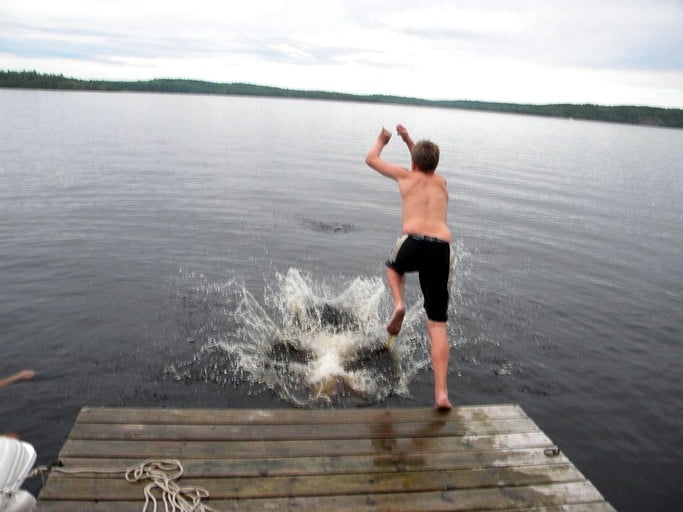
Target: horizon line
{"type": "Point", "coordinates": [425, 101]}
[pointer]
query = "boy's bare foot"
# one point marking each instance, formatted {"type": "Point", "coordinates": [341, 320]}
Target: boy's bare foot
{"type": "Point", "coordinates": [396, 321]}
{"type": "Point", "coordinates": [442, 403]}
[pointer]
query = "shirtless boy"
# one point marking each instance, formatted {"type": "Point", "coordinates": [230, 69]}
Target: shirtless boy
{"type": "Point", "coordinates": [424, 246]}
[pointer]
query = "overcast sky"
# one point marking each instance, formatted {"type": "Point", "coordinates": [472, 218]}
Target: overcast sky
{"type": "Point", "coordinates": [531, 51]}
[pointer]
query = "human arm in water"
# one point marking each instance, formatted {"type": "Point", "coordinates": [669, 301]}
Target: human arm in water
{"type": "Point", "coordinates": [22, 375]}
{"type": "Point", "coordinates": [374, 160]}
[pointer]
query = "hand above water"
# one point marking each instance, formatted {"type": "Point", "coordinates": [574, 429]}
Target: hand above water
{"type": "Point", "coordinates": [384, 136]}
{"type": "Point", "coordinates": [403, 133]}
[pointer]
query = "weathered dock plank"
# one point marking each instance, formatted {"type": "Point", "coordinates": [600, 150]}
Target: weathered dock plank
{"type": "Point", "coordinates": [298, 448]}
{"type": "Point", "coordinates": [292, 416]}
{"type": "Point", "coordinates": [473, 458]}
{"type": "Point", "coordinates": [126, 506]}
{"type": "Point", "coordinates": [190, 432]}
{"type": "Point", "coordinates": [324, 485]}
{"type": "Point", "coordinates": [219, 468]}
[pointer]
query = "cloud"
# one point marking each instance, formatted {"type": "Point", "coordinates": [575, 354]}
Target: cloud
{"type": "Point", "coordinates": [634, 35]}
{"type": "Point", "coordinates": [505, 50]}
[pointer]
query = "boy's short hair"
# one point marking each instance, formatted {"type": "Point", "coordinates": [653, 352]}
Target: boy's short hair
{"type": "Point", "coordinates": [425, 155]}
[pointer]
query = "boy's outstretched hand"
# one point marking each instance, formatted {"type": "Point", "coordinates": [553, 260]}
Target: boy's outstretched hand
{"type": "Point", "coordinates": [403, 133]}
{"type": "Point", "coordinates": [384, 136]}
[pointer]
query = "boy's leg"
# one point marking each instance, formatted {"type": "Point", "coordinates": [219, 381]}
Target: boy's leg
{"type": "Point", "coordinates": [396, 284]}
{"type": "Point", "coordinates": [440, 351]}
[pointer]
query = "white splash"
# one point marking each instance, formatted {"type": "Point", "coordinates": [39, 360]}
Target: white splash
{"type": "Point", "coordinates": [315, 344]}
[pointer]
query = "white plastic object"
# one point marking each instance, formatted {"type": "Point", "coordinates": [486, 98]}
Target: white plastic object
{"type": "Point", "coordinates": [16, 460]}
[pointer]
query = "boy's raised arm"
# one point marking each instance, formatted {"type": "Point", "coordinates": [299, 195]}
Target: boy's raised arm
{"type": "Point", "coordinates": [383, 167]}
{"type": "Point", "coordinates": [403, 132]}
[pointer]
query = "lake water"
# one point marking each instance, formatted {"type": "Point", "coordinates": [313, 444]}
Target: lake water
{"type": "Point", "coordinates": [205, 251]}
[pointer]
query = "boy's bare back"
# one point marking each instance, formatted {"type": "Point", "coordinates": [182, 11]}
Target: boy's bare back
{"type": "Point", "coordinates": [424, 202]}
{"type": "Point", "coordinates": [424, 197]}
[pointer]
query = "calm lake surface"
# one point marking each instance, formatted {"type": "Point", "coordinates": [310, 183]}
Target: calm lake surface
{"type": "Point", "coordinates": [146, 240]}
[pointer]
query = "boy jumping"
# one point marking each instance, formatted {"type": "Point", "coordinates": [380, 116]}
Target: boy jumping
{"type": "Point", "coordinates": [424, 246]}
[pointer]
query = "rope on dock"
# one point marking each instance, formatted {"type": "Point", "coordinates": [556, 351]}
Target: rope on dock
{"type": "Point", "coordinates": [163, 474]}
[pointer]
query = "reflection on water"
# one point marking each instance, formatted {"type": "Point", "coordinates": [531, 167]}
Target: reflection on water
{"type": "Point", "coordinates": [309, 342]}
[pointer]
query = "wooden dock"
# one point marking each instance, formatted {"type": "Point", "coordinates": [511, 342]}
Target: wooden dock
{"type": "Point", "coordinates": [472, 458]}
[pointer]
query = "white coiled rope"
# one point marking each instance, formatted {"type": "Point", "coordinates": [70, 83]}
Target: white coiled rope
{"type": "Point", "coordinates": [162, 474]}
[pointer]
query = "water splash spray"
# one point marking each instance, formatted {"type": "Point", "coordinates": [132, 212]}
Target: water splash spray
{"type": "Point", "coordinates": [313, 343]}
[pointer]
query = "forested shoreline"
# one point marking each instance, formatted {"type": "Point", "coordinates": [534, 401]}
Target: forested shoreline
{"type": "Point", "coordinates": [642, 115]}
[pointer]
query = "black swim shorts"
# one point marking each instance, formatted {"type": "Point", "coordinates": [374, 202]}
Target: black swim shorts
{"type": "Point", "coordinates": [431, 258]}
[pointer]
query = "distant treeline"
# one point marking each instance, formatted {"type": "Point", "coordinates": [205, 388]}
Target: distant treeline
{"type": "Point", "coordinates": [652, 116]}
